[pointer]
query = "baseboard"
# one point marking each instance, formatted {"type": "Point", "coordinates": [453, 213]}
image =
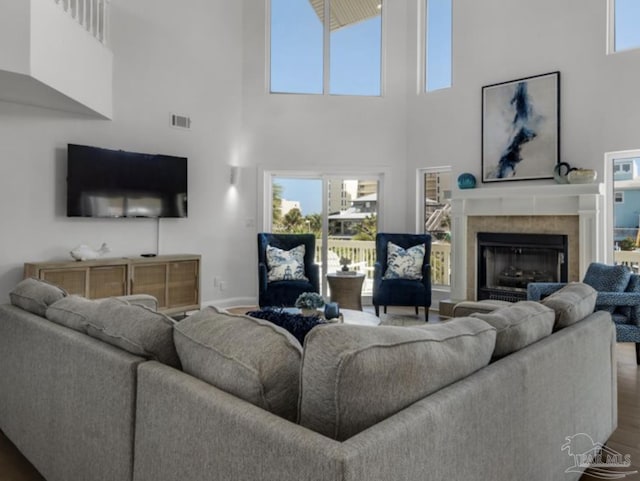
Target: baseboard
{"type": "Point", "coordinates": [232, 302]}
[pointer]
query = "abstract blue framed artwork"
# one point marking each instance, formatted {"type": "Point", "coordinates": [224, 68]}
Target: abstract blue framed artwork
{"type": "Point", "coordinates": [521, 128]}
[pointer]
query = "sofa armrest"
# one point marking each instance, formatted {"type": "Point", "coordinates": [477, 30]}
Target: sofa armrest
{"type": "Point", "coordinates": [313, 274]}
{"type": "Point", "coordinates": [377, 274]}
{"type": "Point", "coordinates": [262, 277]}
{"type": "Point", "coordinates": [536, 291]}
{"type": "Point", "coordinates": [426, 275]}
{"type": "Point", "coordinates": [618, 299]}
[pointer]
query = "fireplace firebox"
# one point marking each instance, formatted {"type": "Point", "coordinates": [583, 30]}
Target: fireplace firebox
{"type": "Point", "coordinates": [507, 262]}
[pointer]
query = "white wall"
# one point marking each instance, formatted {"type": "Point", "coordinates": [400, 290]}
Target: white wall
{"type": "Point", "coordinates": [14, 31]}
{"type": "Point", "coordinates": [500, 40]}
{"type": "Point", "coordinates": [58, 44]}
{"type": "Point", "coordinates": [207, 60]}
{"type": "Point", "coordinates": [168, 57]}
{"type": "Point", "coordinates": [329, 133]}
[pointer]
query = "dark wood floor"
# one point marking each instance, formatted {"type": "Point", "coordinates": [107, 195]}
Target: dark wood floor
{"type": "Point", "coordinates": [625, 440]}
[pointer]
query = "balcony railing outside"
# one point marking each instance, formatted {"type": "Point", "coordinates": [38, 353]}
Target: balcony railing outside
{"type": "Point", "coordinates": [363, 258]}
{"type": "Point", "coordinates": [628, 258]}
{"type": "Point", "coordinates": [92, 15]}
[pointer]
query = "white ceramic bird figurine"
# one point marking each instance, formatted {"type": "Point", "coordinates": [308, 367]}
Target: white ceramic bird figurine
{"type": "Point", "coordinates": [84, 253]}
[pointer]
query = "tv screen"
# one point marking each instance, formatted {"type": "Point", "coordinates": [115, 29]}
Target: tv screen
{"type": "Point", "coordinates": [115, 183]}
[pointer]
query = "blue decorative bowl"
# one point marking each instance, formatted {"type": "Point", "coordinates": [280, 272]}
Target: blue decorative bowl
{"type": "Point", "coordinates": [466, 181]}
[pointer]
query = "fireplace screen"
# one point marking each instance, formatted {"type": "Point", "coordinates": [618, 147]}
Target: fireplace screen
{"type": "Point", "coordinates": [508, 262]}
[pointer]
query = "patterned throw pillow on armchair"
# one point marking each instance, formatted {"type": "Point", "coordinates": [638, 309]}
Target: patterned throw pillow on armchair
{"type": "Point", "coordinates": [404, 263]}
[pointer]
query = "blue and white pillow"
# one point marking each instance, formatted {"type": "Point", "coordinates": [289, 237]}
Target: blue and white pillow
{"type": "Point", "coordinates": [285, 265]}
{"type": "Point", "coordinates": [404, 263]}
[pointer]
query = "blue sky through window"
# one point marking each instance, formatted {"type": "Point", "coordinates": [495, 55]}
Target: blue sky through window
{"type": "Point", "coordinates": [297, 52]}
{"type": "Point", "coordinates": [296, 47]}
{"type": "Point", "coordinates": [627, 19]}
{"type": "Point", "coordinates": [306, 191]}
{"type": "Point", "coordinates": [438, 44]}
{"type": "Point", "coordinates": [355, 58]}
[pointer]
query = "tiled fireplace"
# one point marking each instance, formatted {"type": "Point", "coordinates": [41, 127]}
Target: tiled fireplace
{"type": "Point", "coordinates": [573, 211]}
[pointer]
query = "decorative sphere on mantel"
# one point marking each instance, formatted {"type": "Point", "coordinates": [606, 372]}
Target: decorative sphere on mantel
{"type": "Point", "coordinates": [466, 181]}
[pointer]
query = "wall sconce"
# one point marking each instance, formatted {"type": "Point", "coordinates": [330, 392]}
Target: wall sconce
{"type": "Point", "coordinates": [233, 174]}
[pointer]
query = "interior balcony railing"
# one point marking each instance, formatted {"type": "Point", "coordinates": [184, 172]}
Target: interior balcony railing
{"type": "Point", "coordinates": [92, 15]}
{"type": "Point", "coordinates": [363, 257]}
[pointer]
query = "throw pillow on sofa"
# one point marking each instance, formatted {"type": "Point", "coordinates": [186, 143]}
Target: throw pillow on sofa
{"type": "Point", "coordinates": [518, 325]}
{"type": "Point", "coordinates": [134, 328]}
{"type": "Point", "coordinates": [73, 312]}
{"type": "Point", "coordinates": [355, 376]}
{"type": "Point", "coordinates": [250, 358]}
{"type": "Point", "coordinates": [573, 302]}
{"type": "Point", "coordinates": [35, 295]}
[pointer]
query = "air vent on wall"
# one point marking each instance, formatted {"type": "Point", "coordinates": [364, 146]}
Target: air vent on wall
{"type": "Point", "coordinates": [180, 121]}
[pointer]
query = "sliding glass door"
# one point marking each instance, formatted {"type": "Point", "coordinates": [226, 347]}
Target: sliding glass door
{"type": "Point", "coordinates": [341, 211]}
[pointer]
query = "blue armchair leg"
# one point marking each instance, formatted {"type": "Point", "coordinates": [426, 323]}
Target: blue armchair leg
{"type": "Point", "coordinates": [638, 353]}
{"type": "Point", "coordinates": [377, 307]}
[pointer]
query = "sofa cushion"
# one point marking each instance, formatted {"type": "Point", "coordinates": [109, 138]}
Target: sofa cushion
{"type": "Point", "coordinates": [518, 325]}
{"type": "Point", "coordinates": [573, 302]}
{"type": "Point", "coordinates": [404, 263]}
{"type": "Point", "coordinates": [245, 356]}
{"type": "Point", "coordinates": [35, 295]}
{"type": "Point", "coordinates": [286, 265]}
{"type": "Point", "coordinates": [355, 376]}
{"type": "Point", "coordinates": [73, 312]}
{"type": "Point", "coordinates": [606, 278]}
{"type": "Point", "coordinates": [134, 328]}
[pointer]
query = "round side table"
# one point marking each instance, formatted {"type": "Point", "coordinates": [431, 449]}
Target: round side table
{"type": "Point", "coordinates": [346, 290]}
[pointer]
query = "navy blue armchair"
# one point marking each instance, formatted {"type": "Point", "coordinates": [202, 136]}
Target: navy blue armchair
{"type": "Point", "coordinates": [399, 291]}
{"type": "Point", "coordinates": [283, 293]}
{"type": "Point", "coordinates": [623, 303]}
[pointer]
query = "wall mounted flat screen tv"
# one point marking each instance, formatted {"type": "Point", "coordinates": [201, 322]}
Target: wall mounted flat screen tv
{"type": "Point", "coordinates": [115, 183]}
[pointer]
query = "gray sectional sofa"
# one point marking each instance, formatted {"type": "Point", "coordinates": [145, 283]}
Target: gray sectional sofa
{"type": "Point", "coordinates": [86, 395]}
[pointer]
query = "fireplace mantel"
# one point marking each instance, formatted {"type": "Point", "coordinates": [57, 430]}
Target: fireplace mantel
{"type": "Point", "coordinates": [586, 201]}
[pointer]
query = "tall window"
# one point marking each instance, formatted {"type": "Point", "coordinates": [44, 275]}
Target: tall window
{"type": "Point", "coordinates": [624, 33]}
{"type": "Point", "coordinates": [296, 47]}
{"type": "Point", "coordinates": [341, 56]}
{"type": "Point", "coordinates": [626, 198]}
{"type": "Point", "coordinates": [435, 197]}
{"type": "Point", "coordinates": [438, 41]}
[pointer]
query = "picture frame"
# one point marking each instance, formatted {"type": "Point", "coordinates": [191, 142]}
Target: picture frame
{"type": "Point", "coordinates": [521, 128]}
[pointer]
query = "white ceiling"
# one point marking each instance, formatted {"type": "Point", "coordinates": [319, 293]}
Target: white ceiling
{"type": "Point", "coordinates": [347, 12]}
